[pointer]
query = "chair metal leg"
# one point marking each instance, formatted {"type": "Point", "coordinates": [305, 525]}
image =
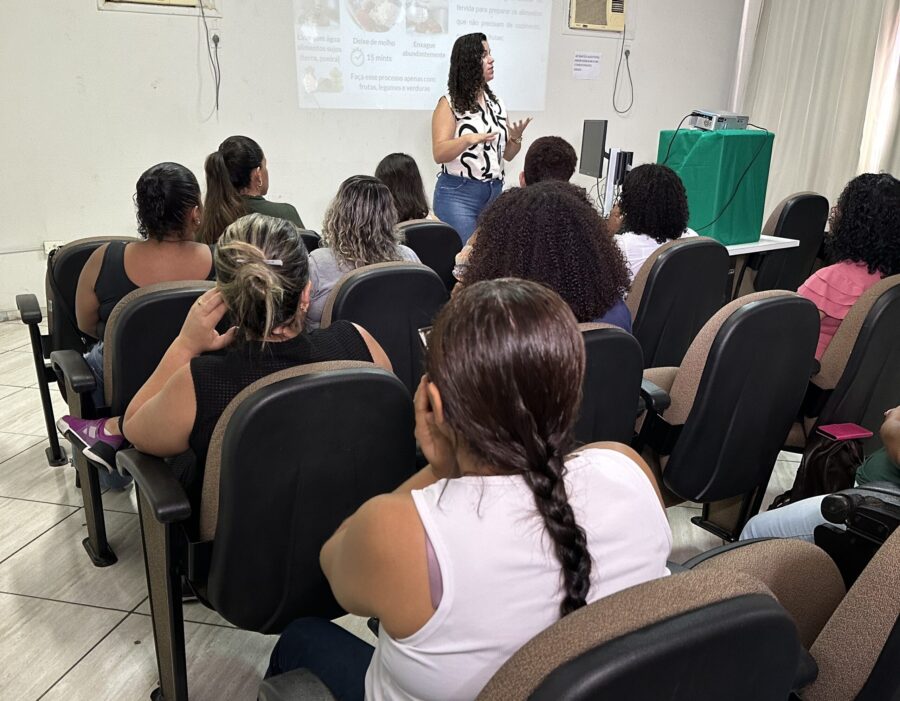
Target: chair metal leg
{"type": "Point", "coordinates": [96, 543]}
{"type": "Point", "coordinates": [164, 587]}
{"type": "Point", "coordinates": [727, 518]}
{"type": "Point", "coordinates": [55, 454]}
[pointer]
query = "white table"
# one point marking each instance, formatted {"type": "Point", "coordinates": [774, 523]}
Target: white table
{"type": "Point", "coordinates": [765, 243]}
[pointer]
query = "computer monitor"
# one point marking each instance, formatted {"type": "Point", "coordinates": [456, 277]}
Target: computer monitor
{"type": "Point", "coordinates": [593, 147]}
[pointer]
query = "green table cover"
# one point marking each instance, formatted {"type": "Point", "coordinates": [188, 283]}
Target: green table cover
{"type": "Point", "coordinates": [710, 164]}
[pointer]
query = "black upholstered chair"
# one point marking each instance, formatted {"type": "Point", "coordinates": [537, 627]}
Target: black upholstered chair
{"type": "Point", "coordinates": [802, 217]}
{"type": "Point", "coordinates": [64, 265]}
{"type": "Point", "coordinates": [678, 288]}
{"type": "Point", "coordinates": [140, 329]}
{"type": "Point", "coordinates": [436, 244]}
{"type": "Point", "coordinates": [714, 425]}
{"type": "Point", "coordinates": [310, 239]}
{"type": "Point", "coordinates": [293, 455]}
{"type": "Point", "coordinates": [392, 301]}
{"type": "Point", "coordinates": [612, 384]}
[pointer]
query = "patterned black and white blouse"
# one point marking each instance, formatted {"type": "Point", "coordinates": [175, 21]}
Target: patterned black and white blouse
{"type": "Point", "coordinates": [482, 161]}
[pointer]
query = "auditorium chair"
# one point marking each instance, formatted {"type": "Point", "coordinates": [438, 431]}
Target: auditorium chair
{"type": "Point", "coordinates": [859, 375]}
{"type": "Point", "coordinates": [612, 384]}
{"type": "Point", "coordinates": [802, 217]}
{"type": "Point", "coordinates": [436, 244]}
{"type": "Point", "coordinates": [139, 331]}
{"type": "Point", "coordinates": [391, 301]}
{"type": "Point", "coordinates": [64, 265]}
{"type": "Point", "coordinates": [714, 425]}
{"type": "Point", "coordinates": [679, 287]}
{"type": "Point", "coordinates": [293, 455]}
{"type": "Point", "coordinates": [310, 239]}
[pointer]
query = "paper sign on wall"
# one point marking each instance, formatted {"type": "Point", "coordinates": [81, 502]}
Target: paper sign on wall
{"type": "Point", "coordinates": [586, 66]}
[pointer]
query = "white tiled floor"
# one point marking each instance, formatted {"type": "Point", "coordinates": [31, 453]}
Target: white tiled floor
{"type": "Point", "coordinates": [71, 631]}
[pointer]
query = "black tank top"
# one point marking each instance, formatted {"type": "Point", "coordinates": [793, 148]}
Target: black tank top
{"type": "Point", "coordinates": [218, 378]}
{"type": "Point", "coordinates": [113, 282]}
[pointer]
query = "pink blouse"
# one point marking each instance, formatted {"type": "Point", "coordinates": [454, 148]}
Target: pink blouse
{"type": "Point", "coordinates": [834, 290]}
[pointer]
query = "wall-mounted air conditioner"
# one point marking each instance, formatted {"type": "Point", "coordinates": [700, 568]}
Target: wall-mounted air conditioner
{"type": "Point", "coordinates": [597, 15]}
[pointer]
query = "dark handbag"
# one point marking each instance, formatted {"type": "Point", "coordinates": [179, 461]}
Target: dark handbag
{"type": "Point", "coordinates": [828, 466]}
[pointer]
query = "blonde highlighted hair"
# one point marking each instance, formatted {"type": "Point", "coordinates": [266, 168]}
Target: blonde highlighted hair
{"type": "Point", "coordinates": [262, 269]}
{"type": "Point", "coordinates": [360, 225]}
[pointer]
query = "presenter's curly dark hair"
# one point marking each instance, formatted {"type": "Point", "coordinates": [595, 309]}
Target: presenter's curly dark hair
{"type": "Point", "coordinates": [551, 234]}
{"type": "Point", "coordinates": [549, 158]}
{"type": "Point", "coordinates": [865, 224]}
{"type": "Point", "coordinates": [466, 77]}
{"type": "Point", "coordinates": [654, 203]}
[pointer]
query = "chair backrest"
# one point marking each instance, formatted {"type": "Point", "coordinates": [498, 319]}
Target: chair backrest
{"type": "Point", "coordinates": [138, 333]}
{"type": "Point", "coordinates": [800, 216]}
{"type": "Point", "coordinates": [737, 393]}
{"type": "Point", "coordinates": [612, 383]}
{"type": "Point", "coordinates": [677, 289]}
{"type": "Point", "coordinates": [862, 362]}
{"type": "Point", "coordinates": [690, 636]}
{"type": "Point", "coordinates": [64, 266]}
{"type": "Point", "coordinates": [392, 301]}
{"type": "Point", "coordinates": [310, 239]}
{"type": "Point", "coordinates": [292, 456]}
{"type": "Point", "coordinates": [858, 649]}
{"type": "Point", "coordinates": [436, 244]}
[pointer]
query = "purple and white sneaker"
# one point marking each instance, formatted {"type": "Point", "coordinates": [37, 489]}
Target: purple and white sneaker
{"type": "Point", "coordinates": [99, 446]}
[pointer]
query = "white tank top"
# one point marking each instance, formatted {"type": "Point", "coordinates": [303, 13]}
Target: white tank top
{"type": "Point", "coordinates": [502, 582]}
{"type": "Point", "coordinates": [482, 161]}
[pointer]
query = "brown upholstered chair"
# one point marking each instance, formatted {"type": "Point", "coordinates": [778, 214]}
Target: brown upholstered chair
{"type": "Point", "coordinates": [859, 377]}
{"type": "Point", "coordinates": [131, 352]}
{"type": "Point", "coordinates": [292, 456]}
{"type": "Point", "coordinates": [436, 244]}
{"type": "Point", "coordinates": [802, 217]}
{"type": "Point", "coordinates": [678, 288]}
{"type": "Point", "coordinates": [714, 425]}
{"type": "Point", "coordinates": [391, 301]}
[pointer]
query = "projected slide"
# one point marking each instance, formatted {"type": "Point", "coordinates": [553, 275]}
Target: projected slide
{"type": "Point", "coordinates": [394, 54]}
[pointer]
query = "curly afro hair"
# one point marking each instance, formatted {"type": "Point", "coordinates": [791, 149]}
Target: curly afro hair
{"type": "Point", "coordinates": [653, 202]}
{"type": "Point", "coordinates": [466, 77]}
{"type": "Point", "coordinates": [549, 158]}
{"type": "Point", "coordinates": [551, 234]}
{"type": "Point", "coordinates": [865, 224]}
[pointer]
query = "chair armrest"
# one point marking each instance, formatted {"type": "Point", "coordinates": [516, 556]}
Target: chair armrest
{"type": "Point", "coordinates": [655, 397]}
{"type": "Point", "coordinates": [29, 309]}
{"type": "Point", "coordinates": [158, 484]}
{"type": "Point", "coordinates": [290, 686]}
{"type": "Point", "coordinates": [74, 370]}
{"type": "Point", "coordinates": [709, 554]}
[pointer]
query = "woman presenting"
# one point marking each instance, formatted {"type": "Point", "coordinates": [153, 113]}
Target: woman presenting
{"type": "Point", "coordinates": [470, 137]}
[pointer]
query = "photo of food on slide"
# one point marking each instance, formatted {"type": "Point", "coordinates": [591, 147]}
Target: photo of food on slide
{"type": "Point", "coordinates": [427, 16]}
{"type": "Point", "coordinates": [318, 13]}
{"type": "Point", "coordinates": [374, 15]}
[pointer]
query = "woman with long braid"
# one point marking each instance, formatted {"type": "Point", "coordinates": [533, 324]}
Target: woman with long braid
{"type": "Point", "coordinates": [504, 532]}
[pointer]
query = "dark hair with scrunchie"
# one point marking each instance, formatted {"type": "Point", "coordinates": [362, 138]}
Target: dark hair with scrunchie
{"type": "Point", "coordinates": [865, 224]}
{"type": "Point", "coordinates": [228, 171]}
{"type": "Point", "coordinates": [164, 196]}
{"type": "Point", "coordinates": [654, 202]}
{"type": "Point", "coordinates": [466, 77]}
{"type": "Point", "coordinates": [508, 360]}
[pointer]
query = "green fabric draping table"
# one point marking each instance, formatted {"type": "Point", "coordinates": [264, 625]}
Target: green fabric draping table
{"type": "Point", "coordinates": [710, 164]}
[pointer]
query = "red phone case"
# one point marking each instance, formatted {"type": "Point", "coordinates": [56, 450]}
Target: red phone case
{"type": "Point", "coordinates": [845, 432]}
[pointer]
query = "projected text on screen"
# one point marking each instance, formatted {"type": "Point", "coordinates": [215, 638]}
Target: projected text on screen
{"type": "Point", "coordinates": [395, 54]}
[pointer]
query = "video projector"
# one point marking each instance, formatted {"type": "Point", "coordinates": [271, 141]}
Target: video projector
{"type": "Point", "coordinates": [716, 120]}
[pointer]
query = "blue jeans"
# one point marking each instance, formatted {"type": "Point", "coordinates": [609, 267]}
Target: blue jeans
{"type": "Point", "coordinates": [94, 359]}
{"type": "Point", "coordinates": [797, 520]}
{"type": "Point", "coordinates": [458, 201]}
{"type": "Point", "coordinates": [333, 654]}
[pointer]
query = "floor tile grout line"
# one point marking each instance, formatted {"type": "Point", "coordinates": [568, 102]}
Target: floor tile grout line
{"type": "Point", "coordinates": [24, 450]}
{"type": "Point", "coordinates": [42, 501]}
{"type": "Point", "coordinates": [75, 603]}
{"type": "Point", "coordinates": [39, 535]}
{"type": "Point", "coordinates": [199, 623]}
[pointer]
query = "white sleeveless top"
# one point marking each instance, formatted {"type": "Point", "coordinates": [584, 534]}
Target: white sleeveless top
{"type": "Point", "coordinates": [482, 161]}
{"type": "Point", "coordinates": [501, 579]}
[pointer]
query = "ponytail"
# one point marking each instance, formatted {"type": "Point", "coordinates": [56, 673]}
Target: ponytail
{"type": "Point", "coordinates": [223, 202]}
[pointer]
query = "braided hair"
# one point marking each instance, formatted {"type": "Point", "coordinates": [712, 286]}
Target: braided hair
{"type": "Point", "coordinates": [487, 347]}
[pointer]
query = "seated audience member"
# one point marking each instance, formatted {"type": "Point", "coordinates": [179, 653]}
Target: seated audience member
{"type": "Point", "coordinates": [401, 175]}
{"type": "Point", "coordinates": [263, 284]}
{"type": "Point", "coordinates": [237, 181]}
{"type": "Point", "coordinates": [548, 158]}
{"type": "Point", "coordinates": [167, 199]}
{"type": "Point", "coordinates": [360, 228]}
{"type": "Point", "coordinates": [799, 520]}
{"type": "Point", "coordinates": [504, 532]}
{"type": "Point", "coordinates": [549, 233]}
{"type": "Point", "coordinates": [652, 210]}
{"type": "Point", "coordinates": [863, 244]}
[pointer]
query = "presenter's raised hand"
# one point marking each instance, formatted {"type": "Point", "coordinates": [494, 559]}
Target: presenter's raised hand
{"type": "Point", "coordinates": [516, 129]}
{"type": "Point", "coordinates": [472, 138]}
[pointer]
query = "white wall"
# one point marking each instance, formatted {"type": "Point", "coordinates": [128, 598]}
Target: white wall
{"type": "Point", "coordinates": [93, 98]}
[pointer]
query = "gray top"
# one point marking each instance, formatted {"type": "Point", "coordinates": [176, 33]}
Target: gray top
{"type": "Point", "coordinates": [325, 271]}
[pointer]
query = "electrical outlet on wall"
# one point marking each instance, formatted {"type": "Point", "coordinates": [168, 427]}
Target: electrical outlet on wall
{"type": "Point", "coordinates": [215, 33]}
{"type": "Point", "coordinates": [51, 246]}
